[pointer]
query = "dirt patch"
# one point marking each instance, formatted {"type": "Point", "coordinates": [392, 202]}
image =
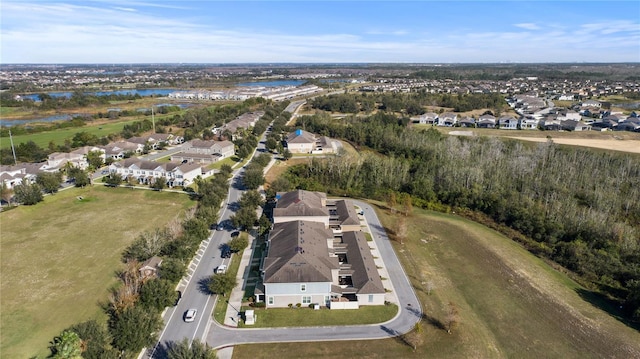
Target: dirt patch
{"type": "Point", "coordinates": [632, 146]}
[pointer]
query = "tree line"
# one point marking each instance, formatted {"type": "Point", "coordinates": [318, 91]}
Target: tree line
{"type": "Point", "coordinates": [407, 103]}
{"type": "Point", "coordinates": [575, 206]}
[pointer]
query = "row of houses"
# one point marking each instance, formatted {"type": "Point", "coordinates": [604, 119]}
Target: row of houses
{"type": "Point", "coordinates": [278, 93]}
{"type": "Point", "coordinates": [184, 167]}
{"type": "Point", "coordinates": [543, 118]}
{"type": "Point", "coordinates": [317, 254]}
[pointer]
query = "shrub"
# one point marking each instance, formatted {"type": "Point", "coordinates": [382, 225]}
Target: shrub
{"type": "Point", "coordinates": [290, 305]}
{"type": "Point", "coordinates": [298, 305]}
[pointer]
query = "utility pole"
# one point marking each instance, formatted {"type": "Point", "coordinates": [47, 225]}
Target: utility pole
{"type": "Point", "coordinates": [13, 149]}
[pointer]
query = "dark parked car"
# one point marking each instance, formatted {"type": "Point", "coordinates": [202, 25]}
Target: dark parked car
{"type": "Point", "coordinates": [226, 252]}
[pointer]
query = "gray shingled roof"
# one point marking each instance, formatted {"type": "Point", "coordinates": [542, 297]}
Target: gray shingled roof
{"type": "Point", "coordinates": [298, 253]}
{"type": "Point", "coordinates": [365, 275]}
{"type": "Point", "coordinates": [346, 213]}
{"type": "Point", "coordinates": [300, 203]}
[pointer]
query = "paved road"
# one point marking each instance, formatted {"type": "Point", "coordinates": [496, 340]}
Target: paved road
{"type": "Point", "coordinates": [194, 292]}
{"type": "Point", "coordinates": [409, 308]}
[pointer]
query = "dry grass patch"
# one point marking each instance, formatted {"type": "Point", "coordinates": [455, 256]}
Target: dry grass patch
{"type": "Point", "coordinates": [58, 258]}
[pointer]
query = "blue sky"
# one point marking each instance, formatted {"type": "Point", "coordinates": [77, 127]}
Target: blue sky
{"type": "Point", "coordinates": [159, 31]}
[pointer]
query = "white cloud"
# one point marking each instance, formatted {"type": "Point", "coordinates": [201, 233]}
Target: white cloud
{"type": "Point", "coordinates": [119, 31]}
{"type": "Point", "coordinates": [528, 26]}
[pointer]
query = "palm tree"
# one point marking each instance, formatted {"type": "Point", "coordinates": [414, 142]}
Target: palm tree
{"type": "Point", "coordinates": [197, 350]}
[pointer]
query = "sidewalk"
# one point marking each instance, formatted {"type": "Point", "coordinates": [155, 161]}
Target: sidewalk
{"type": "Point", "coordinates": [235, 297]}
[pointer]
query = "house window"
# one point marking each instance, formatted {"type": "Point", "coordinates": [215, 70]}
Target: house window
{"type": "Point", "coordinates": [303, 287]}
{"type": "Point", "coordinates": [370, 298]}
{"type": "Point", "coordinates": [270, 300]}
{"type": "Point", "coordinates": [306, 299]}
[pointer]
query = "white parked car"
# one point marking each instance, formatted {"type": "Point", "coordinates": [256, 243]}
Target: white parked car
{"type": "Point", "coordinates": [221, 269]}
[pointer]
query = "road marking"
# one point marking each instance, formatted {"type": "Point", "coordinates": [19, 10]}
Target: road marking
{"type": "Point", "coordinates": [203, 315]}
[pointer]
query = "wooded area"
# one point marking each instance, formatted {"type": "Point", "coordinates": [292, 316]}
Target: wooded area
{"type": "Point", "coordinates": [577, 207]}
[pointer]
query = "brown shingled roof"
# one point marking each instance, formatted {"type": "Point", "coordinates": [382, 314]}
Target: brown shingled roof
{"type": "Point", "coordinates": [298, 252]}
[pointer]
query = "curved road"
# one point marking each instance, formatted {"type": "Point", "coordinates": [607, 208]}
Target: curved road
{"type": "Point", "coordinates": [408, 315]}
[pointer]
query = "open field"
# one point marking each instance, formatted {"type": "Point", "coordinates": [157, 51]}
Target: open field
{"type": "Point", "coordinates": [58, 258]}
{"type": "Point", "coordinates": [510, 304]}
{"type": "Point", "coordinates": [610, 140]}
{"type": "Point", "coordinates": [58, 137]}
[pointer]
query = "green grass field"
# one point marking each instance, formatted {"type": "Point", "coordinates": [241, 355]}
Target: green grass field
{"type": "Point", "coordinates": [58, 137]}
{"type": "Point", "coordinates": [510, 304]}
{"type": "Point", "coordinates": [58, 258]}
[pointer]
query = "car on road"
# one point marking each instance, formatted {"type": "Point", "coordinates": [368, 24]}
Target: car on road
{"type": "Point", "coordinates": [190, 315]}
{"type": "Point", "coordinates": [221, 269]}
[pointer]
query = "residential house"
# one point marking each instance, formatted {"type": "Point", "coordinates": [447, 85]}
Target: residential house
{"type": "Point", "coordinates": [429, 118]}
{"type": "Point", "coordinates": [573, 125]}
{"type": "Point", "coordinates": [57, 160]}
{"type": "Point", "coordinates": [147, 172]}
{"type": "Point", "coordinates": [200, 151]}
{"type": "Point", "coordinates": [300, 141]}
{"type": "Point", "coordinates": [508, 123]}
{"type": "Point", "coordinates": [119, 150]}
{"type": "Point", "coordinates": [299, 266]}
{"type": "Point", "coordinates": [528, 123]}
{"type": "Point", "coordinates": [467, 122]}
{"type": "Point", "coordinates": [306, 264]}
{"type": "Point", "coordinates": [448, 119]}
{"type": "Point", "coordinates": [592, 104]}
{"type": "Point", "coordinates": [12, 176]}
{"type": "Point", "coordinates": [486, 121]}
{"type": "Point", "coordinates": [630, 124]}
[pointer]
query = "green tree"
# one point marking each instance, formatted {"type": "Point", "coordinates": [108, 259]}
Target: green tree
{"type": "Point", "coordinates": [157, 294]}
{"type": "Point", "coordinates": [66, 346]}
{"type": "Point", "coordinates": [172, 269]}
{"type": "Point", "coordinates": [251, 199]}
{"type": "Point", "coordinates": [94, 158]}
{"type": "Point", "coordinates": [113, 180]}
{"type": "Point", "coordinates": [49, 181]}
{"type": "Point", "coordinates": [80, 176]}
{"type": "Point", "coordinates": [134, 328]}
{"type": "Point", "coordinates": [253, 178]}
{"type": "Point", "coordinates": [271, 144]}
{"type": "Point", "coordinates": [245, 218]}
{"type": "Point", "coordinates": [239, 243]}
{"type": "Point", "coordinates": [28, 194]}
{"type": "Point", "coordinates": [280, 184]}
{"type": "Point", "coordinates": [222, 283]}
{"type": "Point", "coordinates": [194, 350]}
{"type": "Point", "coordinates": [286, 155]}
{"type": "Point", "coordinates": [159, 184]}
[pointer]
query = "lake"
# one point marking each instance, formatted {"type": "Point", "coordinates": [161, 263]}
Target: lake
{"type": "Point", "coordinates": [141, 92]}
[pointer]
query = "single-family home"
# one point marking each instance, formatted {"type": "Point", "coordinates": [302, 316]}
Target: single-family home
{"type": "Point", "coordinates": [428, 118]}
{"type": "Point", "coordinates": [508, 122]}
{"type": "Point", "coordinates": [486, 121]}
{"type": "Point", "coordinates": [448, 119]}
